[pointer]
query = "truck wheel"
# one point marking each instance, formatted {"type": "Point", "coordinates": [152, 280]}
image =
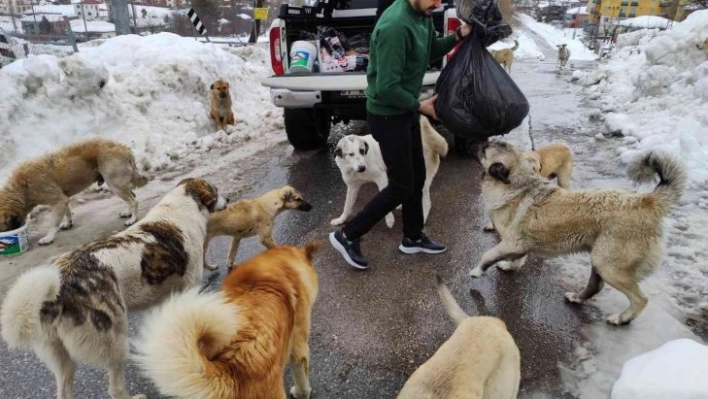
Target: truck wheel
{"type": "Point", "coordinates": [307, 128]}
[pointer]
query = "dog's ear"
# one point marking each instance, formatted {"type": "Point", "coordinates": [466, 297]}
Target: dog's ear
{"type": "Point", "coordinates": [338, 152]}
{"type": "Point", "coordinates": [203, 193]}
{"type": "Point", "coordinates": [211, 87]}
{"type": "Point", "coordinates": [287, 196]}
{"type": "Point", "coordinates": [366, 148]}
{"type": "Point", "coordinates": [500, 172]}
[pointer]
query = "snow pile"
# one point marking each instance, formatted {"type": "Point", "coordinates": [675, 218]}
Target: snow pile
{"type": "Point", "coordinates": [554, 36]}
{"type": "Point", "coordinates": [676, 370]}
{"type": "Point", "coordinates": [655, 91]}
{"type": "Point", "coordinates": [151, 93]}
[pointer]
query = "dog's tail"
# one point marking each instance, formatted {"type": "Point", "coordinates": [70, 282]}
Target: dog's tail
{"type": "Point", "coordinates": [180, 341]}
{"type": "Point", "coordinates": [451, 305]}
{"type": "Point", "coordinates": [516, 45]}
{"type": "Point", "coordinates": [437, 142]}
{"type": "Point", "coordinates": [139, 179]}
{"type": "Point", "coordinates": [672, 176]}
{"type": "Point", "coordinates": [21, 312]}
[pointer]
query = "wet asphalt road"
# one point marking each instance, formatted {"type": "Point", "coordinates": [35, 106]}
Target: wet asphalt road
{"type": "Point", "coordinates": [371, 329]}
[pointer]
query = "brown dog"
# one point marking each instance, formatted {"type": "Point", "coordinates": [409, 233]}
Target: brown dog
{"type": "Point", "coordinates": [480, 360]}
{"type": "Point", "coordinates": [505, 57]}
{"type": "Point", "coordinates": [53, 178]}
{"type": "Point", "coordinates": [250, 217]}
{"type": "Point", "coordinates": [235, 343]}
{"type": "Point", "coordinates": [621, 231]}
{"type": "Point", "coordinates": [221, 112]}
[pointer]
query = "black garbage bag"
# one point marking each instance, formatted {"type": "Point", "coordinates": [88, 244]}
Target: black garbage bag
{"type": "Point", "coordinates": [486, 18]}
{"type": "Point", "coordinates": [476, 97]}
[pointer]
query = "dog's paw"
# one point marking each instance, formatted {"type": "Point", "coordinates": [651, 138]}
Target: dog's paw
{"type": "Point", "coordinates": [297, 394]}
{"type": "Point", "coordinates": [506, 265]}
{"type": "Point", "coordinates": [338, 221]}
{"type": "Point", "coordinates": [211, 267]}
{"type": "Point", "coordinates": [617, 320]}
{"type": "Point", "coordinates": [489, 227]}
{"type": "Point", "coordinates": [46, 240]}
{"type": "Point", "coordinates": [573, 297]}
{"type": "Point", "coordinates": [400, 207]}
{"type": "Point", "coordinates": [130, 221]}
{"type": "Point", "coordinates": [476, 272]}
{"type": "Point", "coordinates": [389, 220]}
{"type": "Point", "coordinates": [66, 225]}
{"type": "Point", "coordinates": [125, 214]}
{"type": "Point", "coordinates": [140, 396]}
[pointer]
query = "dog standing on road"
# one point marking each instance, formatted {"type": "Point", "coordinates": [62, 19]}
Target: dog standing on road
{"type": "Point", "coordinates": [622, 231]}
{"type": "Point", "coordinates": [480, 360]}
{"type": "Point", "coordinates": [360, 161]}
{"type": "Point", "coordinates": [236, 343]}
{"type": "Point", "coordinates": [505, 57]}
{"type": "Point", "coordinates": [250, 217]}
{"type": "Point", "coordinates": [76, 309]}
{"type": "Point", "coordinates": [53, 178]}
{"type": "Point", "coordinates": [221, 112]}
{"type": "Point", "coordinates": [563, 54]}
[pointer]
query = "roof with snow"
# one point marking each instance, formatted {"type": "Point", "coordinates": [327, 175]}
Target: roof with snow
{"type": "Point", "coordinates": [77, 25]}
{"type": "Point", "coordinates": [578, 10]}
{"type": "Point", "coordinates": [66, 10]}
{"type": "Point", "coordinates": [91, 2]}
{"type": "Point", "coordinates": [647, 21]}
{"type": "Point", "coordinates": [38, 18]}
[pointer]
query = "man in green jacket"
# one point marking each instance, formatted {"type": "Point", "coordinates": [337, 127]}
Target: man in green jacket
{"type": "Point", "coordinates": [402, 45]}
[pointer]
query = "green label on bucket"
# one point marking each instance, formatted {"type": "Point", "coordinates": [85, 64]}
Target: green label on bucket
{"type": "Point", "coordinates": [10, 245]}
{"type": "Point", "coordinates": [300, 58]}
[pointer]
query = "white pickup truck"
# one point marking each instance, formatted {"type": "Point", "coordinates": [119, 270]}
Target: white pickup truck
{"type": "Point", "coordinates": [314, 101]}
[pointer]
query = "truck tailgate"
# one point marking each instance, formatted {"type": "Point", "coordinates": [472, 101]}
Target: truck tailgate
{"type": "Point", "coordinates": [330, 81]}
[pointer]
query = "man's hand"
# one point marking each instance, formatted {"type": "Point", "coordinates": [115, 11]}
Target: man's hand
{"type": "Point", "coordinates": [465, 30]}
{"type": "Point", "coordinates": [427, 107]}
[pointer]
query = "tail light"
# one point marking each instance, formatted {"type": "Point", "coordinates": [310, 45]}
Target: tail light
{"type": "Point", "coordinates": [452, 25]}
{"type": "Point", "coordinates": [276, 55]}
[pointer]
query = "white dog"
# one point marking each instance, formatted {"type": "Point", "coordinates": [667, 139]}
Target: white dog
{"type": "Point", "coordinates": [563, 54]}
{"type": "Point", "coordinates": [360, 161]}
{"type": "Point", "coordinates": [76, 308]}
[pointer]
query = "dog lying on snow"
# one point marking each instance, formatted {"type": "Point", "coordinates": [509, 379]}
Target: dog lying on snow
{"type": "Point", "coordinates": [480, 360]}
{"type": "Point", "coordinates": [235, 343]}
{"type": "Point", "coordinates": [359, 160]}
{"type": "Point", "coordinates": [53, 178]}
{"type": "Point", "coordinates": [622, 231]}
{"type": "Point", "coordinates": [250, 217]}
{"type": "Point", "coordinates": [505, 57]}
{"type": "Point", "coordinates": [554, 161]}
{"type": "Point", "coordinates": [76, 308]}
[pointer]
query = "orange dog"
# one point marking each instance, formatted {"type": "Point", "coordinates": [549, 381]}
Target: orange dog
{"type": "Point", "coordinates": [221, 111]}
{"type": "Point", "coordinates": [235, 343]}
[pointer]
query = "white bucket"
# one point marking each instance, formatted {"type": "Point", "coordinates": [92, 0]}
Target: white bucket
{"type": "Point", "coordinates": [14, 242]}
{"type": "Point", "coordinates": [302, 57]}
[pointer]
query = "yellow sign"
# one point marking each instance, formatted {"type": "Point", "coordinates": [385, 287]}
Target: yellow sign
{"type": "Point", "coordinates": [260, 13]}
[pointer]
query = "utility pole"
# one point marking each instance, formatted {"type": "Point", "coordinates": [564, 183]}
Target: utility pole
{"type": "Point", "coordinates": [83, 15]}
{"type": "Point", "coordinates": [120, 16]}
{"type": "Point", "coordinates": [135, 20]}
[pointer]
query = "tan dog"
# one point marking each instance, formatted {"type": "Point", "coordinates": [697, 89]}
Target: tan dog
{"type": "Point", "coordinates": [505, 57]}
{"type": "Point", "coordinates": [480, 360]}
{"type": "Point", "coordinates": [563, 54]}
{"type": "Point", "coordinates": [554, 161]}
{"type": "Point", "coordinates": [622, 231]}
{"type": "Point", "coordinates": [251, 217]}
{"type": "Point", "coordinates": [236, 343]}
{"type": "Point", "coordinates": [221, 112]}
{"type": "Point", "coordinates": [76, 308]}
{"type": "Point", "coordinates": [53, 178]}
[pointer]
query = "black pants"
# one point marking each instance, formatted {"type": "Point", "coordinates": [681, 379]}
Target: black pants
{"type": "Point", "coordinates": [402, 150]}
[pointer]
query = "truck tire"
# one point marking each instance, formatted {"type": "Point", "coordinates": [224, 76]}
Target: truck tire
{"type": "Point", "coordinates": [307, 128]}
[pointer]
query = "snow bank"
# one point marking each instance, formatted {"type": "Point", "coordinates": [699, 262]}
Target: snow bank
{"type": "Point", "coordinates": [554, 36]}
{"type": "Point", "coordinates": [676, 370]}
{"type": "Point", "coordinates": [151, 93]}
{"type": "Point", "coordinates": [655, 91]}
